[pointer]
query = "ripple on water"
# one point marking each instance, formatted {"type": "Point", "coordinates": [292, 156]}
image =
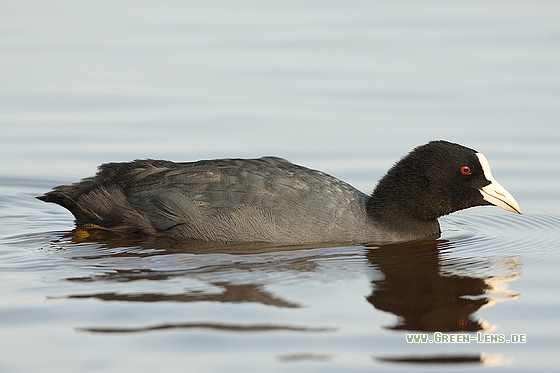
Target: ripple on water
{"type": "Point", "coordinates": [129, 259]}
{"type": "Point", "coordinates": [503, 234]}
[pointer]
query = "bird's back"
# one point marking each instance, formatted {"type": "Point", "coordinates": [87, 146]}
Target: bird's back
{"type": "Point", "coordinates": [267, 199]}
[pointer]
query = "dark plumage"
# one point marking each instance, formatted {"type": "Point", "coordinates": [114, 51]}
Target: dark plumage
{"type": "Point", "coordinates": [272, 200]}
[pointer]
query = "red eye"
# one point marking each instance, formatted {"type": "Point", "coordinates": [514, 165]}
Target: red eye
{"type": "Point", "coordinates": [466, 170]}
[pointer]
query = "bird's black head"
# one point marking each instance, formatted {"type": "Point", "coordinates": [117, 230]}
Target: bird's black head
{"type": "Point", "coordinates": [433, 180]}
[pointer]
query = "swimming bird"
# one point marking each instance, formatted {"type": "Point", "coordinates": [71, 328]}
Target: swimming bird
{"type": "Point", "coordinates": [273, 200]}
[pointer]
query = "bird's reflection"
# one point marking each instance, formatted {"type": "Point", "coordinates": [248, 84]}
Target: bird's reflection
{"type": "Point", "coordinates": [418, 287]}
{"type": "Point", "coordinates": [435, 360]}
{"type": "Point", "coordinates": [122, 246]}
{"type": "Point", "coordinates": [422, 283]}
{"type": "Point", "coordinates": [431, 291]}
{"type": "Point", "coordinates": [210, 326]}
{"type": "Point", "coordinates": [230, 293]}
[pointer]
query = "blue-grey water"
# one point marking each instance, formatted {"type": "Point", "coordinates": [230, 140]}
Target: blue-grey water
{"type": "Point", "coordinates": [347, 87]}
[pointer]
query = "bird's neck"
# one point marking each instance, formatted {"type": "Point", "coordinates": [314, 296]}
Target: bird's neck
{"type": "Point", "coordinates": [399, 215]}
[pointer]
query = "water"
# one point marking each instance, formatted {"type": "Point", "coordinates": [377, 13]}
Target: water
{"type": "Point", "coordinates": [345, 87]}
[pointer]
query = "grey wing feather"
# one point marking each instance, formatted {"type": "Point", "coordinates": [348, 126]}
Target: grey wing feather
{"type": "Point", "coordinates": [214, 200]}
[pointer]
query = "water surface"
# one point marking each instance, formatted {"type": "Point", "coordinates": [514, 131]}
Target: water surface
{"type": "Point", "coordinates": [344, 87]}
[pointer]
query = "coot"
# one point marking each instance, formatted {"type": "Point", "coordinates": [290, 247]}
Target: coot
{"type": "Point", "coordinates": [272, 200]}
